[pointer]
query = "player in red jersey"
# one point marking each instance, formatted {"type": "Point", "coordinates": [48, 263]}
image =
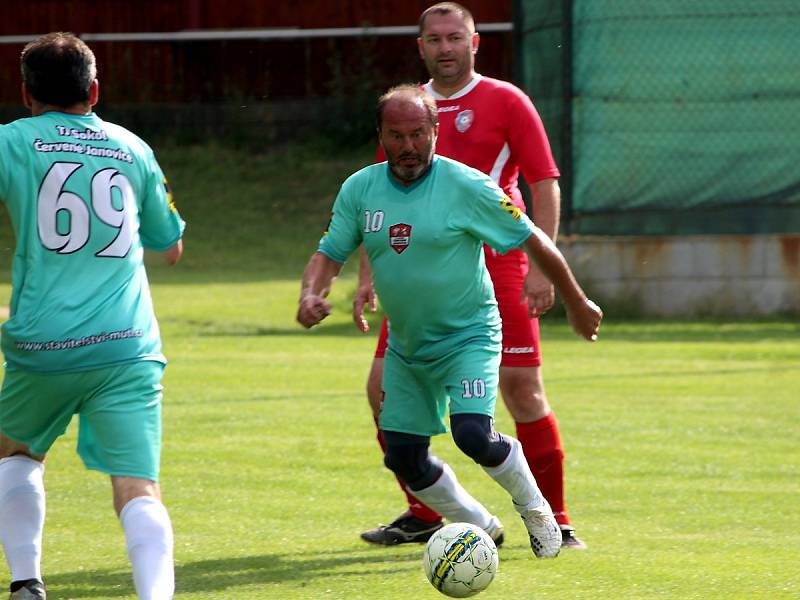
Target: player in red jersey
{"type": "Point", "coordinates": [490, 125]}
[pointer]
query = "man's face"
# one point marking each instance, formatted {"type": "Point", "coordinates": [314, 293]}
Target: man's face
{"type": "Point", "coordinates": [408, 139]}
{"type": "Point", "coordinates": [448, 48]}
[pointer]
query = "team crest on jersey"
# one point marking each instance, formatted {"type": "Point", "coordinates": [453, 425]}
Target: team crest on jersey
{"type": "Point", "coordinates": [399, 237]}
{"type": "Point", "coordinates": [464, 120]}
{"type": "Point", "coordinates": [509, 207]}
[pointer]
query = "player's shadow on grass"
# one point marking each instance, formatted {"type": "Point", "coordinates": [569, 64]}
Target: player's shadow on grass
{"type": "Point", "coordinates": [573, 379]}
{"type": "Point", "coordinates": [214, 575]}
{"type": "Point", "coordinates": [221, 329]}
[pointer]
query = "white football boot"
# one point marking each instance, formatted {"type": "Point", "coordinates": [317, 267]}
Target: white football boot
{"type": "Point", "coordinates": [543, 530]}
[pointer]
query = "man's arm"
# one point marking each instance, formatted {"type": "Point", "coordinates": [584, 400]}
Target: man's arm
{"type": "Point", "coordinates": [365, 294]}
{"type": "Point", "coordinates": [584, 315]}
{"type": "Point", "coordinates": [318, 277]}
{"type": "Point", "coordinates": [546, 202]}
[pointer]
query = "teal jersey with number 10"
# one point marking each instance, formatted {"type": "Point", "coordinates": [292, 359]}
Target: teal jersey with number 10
{"type": "Point", "coordinates": [425, 245]}
{"type": "Point", "coordinates": [85, 197]}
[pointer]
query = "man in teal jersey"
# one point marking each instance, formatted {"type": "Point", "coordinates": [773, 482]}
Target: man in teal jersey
{"type": "Point", "coordinates": [422, 219]}
{"type": "Point", "coordinates": [85, 197]}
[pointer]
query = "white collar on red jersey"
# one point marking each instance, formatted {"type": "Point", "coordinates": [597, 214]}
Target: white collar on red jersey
{"type": "Point", "coordinates": [428, 87]}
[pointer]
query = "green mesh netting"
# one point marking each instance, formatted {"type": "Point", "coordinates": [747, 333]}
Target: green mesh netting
{"type": "Point", "coordinates": [674, 117]}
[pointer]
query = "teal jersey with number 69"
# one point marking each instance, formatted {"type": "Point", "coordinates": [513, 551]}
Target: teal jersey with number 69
{"type": "Point", "coordinates": [85, 197]}
{"type": "Point", "coordinates": [425, 245]}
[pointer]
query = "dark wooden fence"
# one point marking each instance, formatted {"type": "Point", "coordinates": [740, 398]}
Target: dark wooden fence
{"type": "Point", "coordinates": [202, 71]}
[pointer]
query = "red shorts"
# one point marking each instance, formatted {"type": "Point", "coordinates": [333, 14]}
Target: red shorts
{"type": "Point", "coordinates": [520, 333]}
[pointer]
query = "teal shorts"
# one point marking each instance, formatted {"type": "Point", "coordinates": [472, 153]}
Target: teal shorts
{"type": "Point", "coordinates": [119, 409]}
{"type": "Point", "coordinates": [417, 394]}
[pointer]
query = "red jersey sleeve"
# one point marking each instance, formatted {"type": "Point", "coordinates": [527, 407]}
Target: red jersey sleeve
{"type": "Point", "coordinates": [528, 141]}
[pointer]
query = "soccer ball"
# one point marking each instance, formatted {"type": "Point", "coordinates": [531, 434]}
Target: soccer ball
{"type": "Point", "coordinates": [460, 560]}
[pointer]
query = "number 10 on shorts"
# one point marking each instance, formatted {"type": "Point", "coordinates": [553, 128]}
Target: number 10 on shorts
{"type": "Point", "coordinates": [473, 389]}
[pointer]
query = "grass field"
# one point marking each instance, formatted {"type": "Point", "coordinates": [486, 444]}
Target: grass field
{"type": "Point", "coordinates": [682, 438]}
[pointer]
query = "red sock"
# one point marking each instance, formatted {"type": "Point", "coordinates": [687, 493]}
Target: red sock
{"type": "Point", "coordinates": [541, 444]}
{"type": "Point", "coordinates": [417, 508]}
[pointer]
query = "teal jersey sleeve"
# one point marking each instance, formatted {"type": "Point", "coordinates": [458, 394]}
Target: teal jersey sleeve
{"type": "Point", "coordinates": [84, 196]}
{"type": "Point", "coordinates": [494, 219]}
{"type": "Point", "coordinates": [160, 225]}
{"type": "Point", "coordinates": [344, 233]}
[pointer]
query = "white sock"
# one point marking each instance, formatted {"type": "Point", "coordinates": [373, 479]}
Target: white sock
{"type": "Point", "coordinates": [148, 533]}
{"type": "Point", "coordinates": [515, 476]}
{"type": "Point", "coordinates": [22, 510]}
{"type": "Point", "coordinates": [448, 497]}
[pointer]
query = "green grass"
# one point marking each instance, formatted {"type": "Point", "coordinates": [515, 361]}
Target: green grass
{"type": "Point", "coordinates": [682, 445]}
{"type": "Point", "coordinates": [682, 439]}
{"type": "Point", "coordinates": [255, 214]}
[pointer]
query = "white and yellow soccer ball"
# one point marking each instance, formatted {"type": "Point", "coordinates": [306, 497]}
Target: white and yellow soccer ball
{"type": "Point", "coordinates": [460, 560]}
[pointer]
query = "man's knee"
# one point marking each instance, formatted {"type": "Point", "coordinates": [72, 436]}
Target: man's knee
{"type": "Point", "coordinates": [9, 447]}
{"type": "Point", "coordinates": [523, 393]}
{"type": "Point", "coordinates": [408, 463]}
{"type": "Point", "coordinates": [475, 436]}
{"type": "Point", "coordinates": [412, 463]}
{"type": "Point", "coordinates": [128, 488]}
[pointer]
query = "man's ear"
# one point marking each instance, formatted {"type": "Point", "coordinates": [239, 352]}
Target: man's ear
{"type": "Point", "coordinates": [94, 92]}
{"type": "Point", "coordinates": [27, 100]}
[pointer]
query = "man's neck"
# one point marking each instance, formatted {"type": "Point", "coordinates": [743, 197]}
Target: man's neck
{"type": "Point", "coordinates": [447, 89]}
{"type": "Point", "coordinates": [76, 109]}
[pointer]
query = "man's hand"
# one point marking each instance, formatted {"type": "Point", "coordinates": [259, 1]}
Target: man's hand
{"type": "Point", "coordinates": [312, 310]}
{"type": "Point", "coordinates": [538, 291]}
{"type": "Point", "coordinates": [585, 317]}
{"type": "Point", "coordinates": [365, 296]}
{"type": "Point", "coordinates": [173, 255]}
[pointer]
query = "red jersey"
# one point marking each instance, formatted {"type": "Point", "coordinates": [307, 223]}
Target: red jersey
{"type": "Point", "coordinates": [492, 126]}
